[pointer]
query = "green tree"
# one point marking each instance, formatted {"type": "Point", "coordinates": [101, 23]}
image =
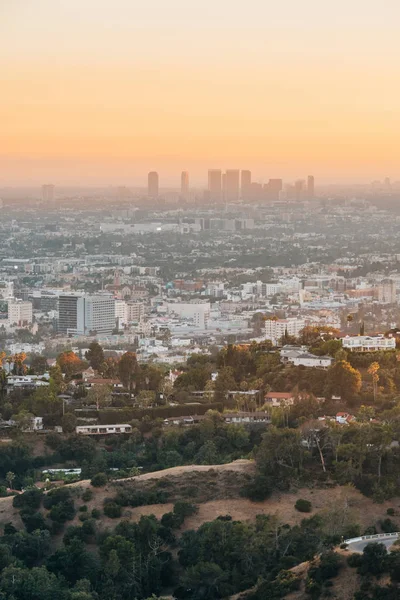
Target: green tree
{"type": "Point", "coordinates": [100, 395]}
{"type": "Point", "coordinates": [128, 369]}
{"type": "Point", "coordinates": [95, 356]}
{"type": "Point", "coordinates": [68, 423]}
{"type": "Point", "coordinates": [343, 380]}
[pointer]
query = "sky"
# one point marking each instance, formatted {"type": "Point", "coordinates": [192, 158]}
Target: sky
{"type": "Point", "coordinates": [101, 91]}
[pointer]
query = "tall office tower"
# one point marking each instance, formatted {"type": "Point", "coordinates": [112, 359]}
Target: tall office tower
{"type": "Point", "coordinates": [185, 185]}
{"type": "Point", "coordinates": [387, 183]}
{"type": "Point", "coordinates": [48, 192]}
{"type": "Point", "coordinates": [245, 184]}
{"type": "Point", "coordinates": [85, 314]}
{"type": "Point", "coordinates": [67, 313]}
{"type": "Point", "coordinates": [152, 184]}
{"type": "Point", "coordinates": [275, 187]}
{"type": "Point", "coordinates": [387, 292]}
{"type": "Point", "coordinates": [215, 185]}
{"type": "Point", "coordinates": [310, 186]}
{"type": "Point", "coordinates": [232, 186]}
{"type": "Point", "coordinates": [299, 189]}
{"type": "Point", "coordinates": [95, 314]}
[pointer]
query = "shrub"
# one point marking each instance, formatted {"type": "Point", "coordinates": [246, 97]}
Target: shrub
{"type": "Point", "coordinates": [87, 495]}
{"type": "Point", "coordinates": [56, 496]}
{"type": "Point", "coordinates": [390, 512]}
{"type": "Point", "coordinates": [84, 517]}
{"type": "Point", "coordinates": [96, 513]}
{"type": "Point", "coordinates": [303, 505]}
{"type": "Point", "coordinates": [112, 510]}
{"type": "Point", "coordinates": [171, 520]}
{"type": "Point", "coordinates": [389, 526]}
{"type": "Point", "coordinates": [99, 480]}
{"type": "Point", "coordinates": [258, 489]}
{"type": "Point", "coordinates": [355, 560]}
{"type": "Point", "coordinates": [184, 509]}
{"type": "Point", "coordinates": [33, 520]}
{"type": "Point", "coordinates": [30, 499]}
{"type": "Point", "coordinates": [83, 508]}
{"type": "Point", "coordinates": [63, 511]}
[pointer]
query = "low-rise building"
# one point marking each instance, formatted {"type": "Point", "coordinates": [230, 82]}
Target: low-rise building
{"type": "Point", "coordinates": [276, 329]}
{"type": "Point", "coordinates": [279, 399]}
{"type": "Point", "coordinates": [367, 343]}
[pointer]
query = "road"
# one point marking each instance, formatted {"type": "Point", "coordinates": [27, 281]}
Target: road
{"type": "Point", "coordinates": [358, 546]}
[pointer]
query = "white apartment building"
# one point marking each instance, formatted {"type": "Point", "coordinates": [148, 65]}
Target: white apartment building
{"type": "Point", "coordinates": [275, 329]}
{"type": "Point", "coordinates": [366, 343]}
{"type": "Point", "coordinates": [121, 311]}
{"type": "Point", "coordinates": [134, 311]}
{"type": "Point", "coordinates": [95, 314]}
{"type": "Point", "coordinates": [20, 313]}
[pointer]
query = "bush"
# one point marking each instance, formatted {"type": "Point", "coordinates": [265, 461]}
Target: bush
{"type": "Point", "coordinates": [30, 499]}
{"type": "Point", "coordinates": [302, 505]}
{"type": "Point", "coordinates": [184, 509]}
{"type": "Point", "coordinates": [390, 512]}
{"type": "Point", "coordinates": [171, 520]}
{"type": "Point", "coordinates": [33, 520]}
{"type": "Point", "coordinates": [258, 489]}
{"type": "Point", "coordinates": [389, 526]}
{"type": "Point", "coordinates": [99, 480]}
{"type": "Point", "coordinates": [87, 495]}
{"type": "Point", "coordinates": [84, 517]}
{"type": "Point", "coordinates": [64, 511]}
{"type": "Point", "coordinates": [96, 513]}
{"type": "Point", "coordinates": [355, 560]}
{"type": "Point", "coordinates": [112, 510]}
{"type": "Point", "coordinates": [56, 496]}
{"type": "Point", "coordinates": [83, 508]}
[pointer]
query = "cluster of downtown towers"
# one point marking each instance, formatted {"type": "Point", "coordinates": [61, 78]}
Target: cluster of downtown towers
{"type": "Point", "coordinates": [235, 185]}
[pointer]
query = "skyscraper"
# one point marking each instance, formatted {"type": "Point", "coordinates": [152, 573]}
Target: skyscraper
{"type": "Point", "coordinates": [232, 185]}
{"type": "Point", "coordinates": [152, 184]}
{"type": "Point", "coordinates": [215, 184]}
{"type": "Point", "coordinates": [245, 184]}
{"type": "Point", "coordinates": [275, 187]}
{"type": "Point", "coordinates": [310, 186]}
{"type": "Point", "coordinates": [48, 192]}
{"type": "Point", "coordinates": [185, 185]}
{"type": "Point", "coordinates": [299, 189]}
{"type": "Point", "coordinates": [84, 313]}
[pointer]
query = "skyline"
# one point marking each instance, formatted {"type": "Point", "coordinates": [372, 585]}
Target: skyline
{"type": "Point", "coordinates": [96, 94]}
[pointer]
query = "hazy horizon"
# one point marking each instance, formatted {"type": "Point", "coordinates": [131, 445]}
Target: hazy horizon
{"type": "Point", "coordinates": [98, 94]}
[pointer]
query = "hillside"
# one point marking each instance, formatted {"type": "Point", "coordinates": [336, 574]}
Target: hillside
{"type": "Point", "coordinates": [216, 491]}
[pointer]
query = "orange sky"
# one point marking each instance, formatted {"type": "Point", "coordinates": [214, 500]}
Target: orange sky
{"type": "Point", "coordinates": [95, 91]}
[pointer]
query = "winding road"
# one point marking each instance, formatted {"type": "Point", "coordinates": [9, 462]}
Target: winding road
{"type": "Point", "coordinates": [358, 544]}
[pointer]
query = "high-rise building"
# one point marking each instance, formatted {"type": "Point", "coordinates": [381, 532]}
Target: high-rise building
{"type": "Point", "coordinates": [245, 184]}
{"type": "Point", "coordinates": [86, 314]}
{"type": "Point", "coordinates": [95, 314]}
{"type": "Point", "coordinates": [215, 185]}
{"type": "Point", "coordinates": [67, 313]}
{"type": "Point", "coordinates": [275, 187]}
{"type": "Point", "coordinates": [310, 186]}
{"type": "Point", "coordinates": [185, 185]}
{"type": "Point", "coordinates": [152, 184]}
{"type": "Point", "coordinates": [19, 312]}
{"type": "Point", "coordinates": [387, 292]}
{"type": "Point", "coordinates": [48, 192]}
{"type": "Point", "coordinates": [299, 189]}
{"type": "Point", "coordinates": [232, 185]}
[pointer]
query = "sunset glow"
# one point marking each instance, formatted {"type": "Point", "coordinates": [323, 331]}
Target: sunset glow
{"type": "Point", "coordinates": [102, 92]}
